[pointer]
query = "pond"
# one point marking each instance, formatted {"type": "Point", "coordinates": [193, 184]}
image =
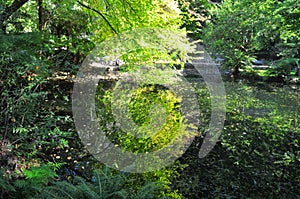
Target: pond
{"type": "Point", "coordinates": [257, 155]}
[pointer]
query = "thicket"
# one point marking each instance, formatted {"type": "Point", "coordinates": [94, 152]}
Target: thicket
{"type": "Point", "coordinates": [44, 44]}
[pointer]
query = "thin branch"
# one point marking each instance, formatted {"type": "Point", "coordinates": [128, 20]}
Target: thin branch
{"type": "Point", "coordinates": [99, 13]}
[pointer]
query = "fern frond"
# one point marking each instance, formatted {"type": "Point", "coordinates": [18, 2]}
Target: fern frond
{"type": "Point", "coordinates": [53, 192]}
{"type": "Point", "coordinates": [99, 183]}
{"type": "Point", "coordinates": [148, 191]}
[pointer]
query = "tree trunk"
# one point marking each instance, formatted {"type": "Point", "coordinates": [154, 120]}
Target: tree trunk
{"type": "Point", "coordinates": [40, 13]}
{"type": "Point", "coordinates": [8, 11]}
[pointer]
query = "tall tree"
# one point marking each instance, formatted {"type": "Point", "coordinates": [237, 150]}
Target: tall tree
{"type": "Point", "coordinates": [232, 32]}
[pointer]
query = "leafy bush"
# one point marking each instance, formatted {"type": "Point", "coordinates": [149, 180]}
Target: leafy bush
{"type": "Point", "coordinates": [20, 83]}
{"type": "Point", "coordinates": [31, 115]}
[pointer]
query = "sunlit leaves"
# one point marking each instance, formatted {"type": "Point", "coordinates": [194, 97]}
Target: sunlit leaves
{"type": "Point", "coordinates": [122, 15]}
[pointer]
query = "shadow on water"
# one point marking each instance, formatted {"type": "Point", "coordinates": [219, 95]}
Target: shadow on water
{"type": "Point", "coordinates": [265, 97]}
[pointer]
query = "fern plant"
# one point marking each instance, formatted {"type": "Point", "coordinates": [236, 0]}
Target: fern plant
{"type": "Point", "coordinates": [36, 179]}
{"type": "Point", "coordinates": [6, 189]}
{"type": "Point", "coordinates": [103, 185]}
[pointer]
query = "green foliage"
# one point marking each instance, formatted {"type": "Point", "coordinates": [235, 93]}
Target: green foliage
{"type": "Point", "coordinates": [258, 153]}
{"type": "Point", "coordinates": [17, 19]}
{"type": "Point", "coordinates": [35, 101]}
{"type": "Point", "coordinates": [194, 15]}
{"type": "Point", "coordinates": [31, 107]}
{"type": "Point", "coordinates": [36, 178]}
{"type": "Point", "coordinates": [244, 30]}
{"type": "Point", "coordinates": [288, 22]}
{"type": "Point", "coordinates": [119, 16]}
{"type": "Point", "coordinates": [5, 187]}
{"type": "Point", "coordinates": [104, 184]}
{"type": "Point", "coordinates": [19, 81]}
{"type": "Point", "coordinates": [153, 137]}
{"type": "Point", "coordinates": [39, 175]}
{"type": "Point", "coordinates": [41, 182]}
{"type": "Point", "coordinates": [232, 32]}
{"type": "Point", "coordinates": [145, 110]}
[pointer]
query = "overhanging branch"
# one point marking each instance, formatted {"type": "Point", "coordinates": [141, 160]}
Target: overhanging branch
{"type": "Point", "coordinates": [99, 13]}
